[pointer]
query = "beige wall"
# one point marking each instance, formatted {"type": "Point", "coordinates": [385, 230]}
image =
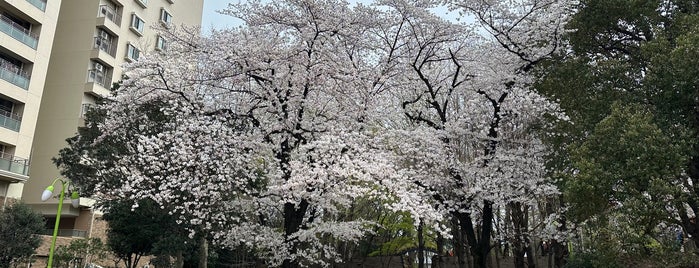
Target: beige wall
{"type": "Point", "coordinates": [35, 61]}
{"type": "Point", "coordinates": [67, 85]}
{"type": "Point", "coordinates": [67, 88]}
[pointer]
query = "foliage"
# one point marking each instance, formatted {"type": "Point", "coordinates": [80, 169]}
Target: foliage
{"type": "Point", "coordinates": [626, 164]}
{"type": "Point", "coordinates": [596, 259]}
{"type": "Point", "coordinates": [20, 227]}
{"type": "Point", "coordinates": [143, 230]}
{"type": "Point", "coordinates": [396, 234]}
{"type": "Point", "coordinates": [629, 160]}
{"type": "Point", "coordinates": [79, 252]}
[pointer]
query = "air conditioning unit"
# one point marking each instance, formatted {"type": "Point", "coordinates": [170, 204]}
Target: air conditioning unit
{"type": "Point", "coordinates": [99, 67]}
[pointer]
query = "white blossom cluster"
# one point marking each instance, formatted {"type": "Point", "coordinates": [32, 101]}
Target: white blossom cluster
{"type": "Point", "coordinates": [265, 134]}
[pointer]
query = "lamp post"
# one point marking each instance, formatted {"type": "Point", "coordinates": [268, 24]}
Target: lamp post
{"type": "Point", "coordinates": [74, 200]}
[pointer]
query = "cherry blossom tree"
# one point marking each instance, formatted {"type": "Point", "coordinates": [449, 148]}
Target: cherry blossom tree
{"type": "Point", "coordinates": [266, 138]}
{"type": "Point", "coordinates": [468, 91]}
{"type": "Point", "coordinates": [262, 135]}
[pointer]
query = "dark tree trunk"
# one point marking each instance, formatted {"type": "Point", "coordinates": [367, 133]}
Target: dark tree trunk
{"type": "Point", "coordinates": [560, 254]}
{"type": "Point", "coordinates": [479, 244]}
{"type": "Point", "coordinates": [293, 213]}
{"type": "Point", "coordinates": [179, 259]}
{"type": "Point", "coordinates": [458, 239]}
{"type": "Point", "coordinates": [531, 256]}
{"type": "Point", "coordinates": [293, 218]}
{"type": "Point", "coordinates": [520, 242]}
{"type": "Point", "coordinates": [420, 245]}
{"type": "Point", "coordinates": [203, 252]}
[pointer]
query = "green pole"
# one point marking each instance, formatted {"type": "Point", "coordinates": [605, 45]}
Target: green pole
{"type": "Point", "coordinates": [55, 228]}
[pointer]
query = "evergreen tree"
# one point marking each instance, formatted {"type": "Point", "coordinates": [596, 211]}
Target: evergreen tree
{"type": "Point", "coordinates": [20, 227]}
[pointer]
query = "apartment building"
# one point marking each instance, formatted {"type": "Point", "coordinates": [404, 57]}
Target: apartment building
{"type": "Point", "coordinates": [93, 39]}
{"type": "Point", "coordinates": [26, 37]}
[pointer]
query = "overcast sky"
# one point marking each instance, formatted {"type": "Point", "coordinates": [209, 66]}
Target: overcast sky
{"type": "Point", "coordinates": [211, 18]}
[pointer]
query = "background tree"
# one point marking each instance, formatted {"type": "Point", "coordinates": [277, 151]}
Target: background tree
{"type": "Point", "coordinates": [145, 230]}
{"type": "Point", "coordinates": [80, 252]}
{"type": "Point", "coordinates": [20, 227]}
{"type": "Point", "coordinates": [625, 81]}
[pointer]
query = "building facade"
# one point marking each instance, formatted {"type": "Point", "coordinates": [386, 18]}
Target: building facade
{"type": "Point", "coordinates": [93, 39]}
{"type": "Point", "coordinates": [27, 30]}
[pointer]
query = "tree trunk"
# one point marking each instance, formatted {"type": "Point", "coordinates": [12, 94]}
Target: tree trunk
{"type": "Point", "coordinates": [293, 214]}
{"type": "Point", "coordinates": [520, 241]}
{"type": "Point", "coordinates": [459, 250]}
{"type": "Point", "coordinates": [560, 254]}
{"type": "Point", "coordinates": [179, 259]}
{"type": "Point", "coordinates": [420, 245]}
{"type": "Point", "coordinates": [437, 262]}
{"type": "Point", "coordinates": [549, 257]}
{"type": "Point", "coordinates": [293, 218]}
{"type": "Point", "coordinates": [531, 256]}
{"type": "Point", "coordinates": [497, 255]}
{"type": "Point", "coordinates": [203, 252]}
{"type": "Point", "coordinates": [478, 245]}
{"type": "Point", "coordinates": [482, 248]}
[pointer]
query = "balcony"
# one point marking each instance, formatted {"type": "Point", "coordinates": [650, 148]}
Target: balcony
{"type": "Point", "coordinates": [105, 45]}
{"type": "Point", "coordinates": [40, 4]}
{"type": "Point", "coordinates": [84, 108]}
{"type": "Point", "coordinates": [97, 77]}
{"type": "Point", "coordinates": [18, 32]}
{"type": "Point", "coordinates": [109, 13]}
{"type": "Point", "coordinates": [14, 164]}
{"type": "Point", "coordinates": [67, 232]}
{"type": "Point", "coordinates": [10, 121]}
{"type": "Point", "coordinates": [13, 74]}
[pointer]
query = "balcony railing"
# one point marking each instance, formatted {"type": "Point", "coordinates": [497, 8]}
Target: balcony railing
{"type": "Point", "coordinates": [110, 14]}
{"type": "Point", "coordinates": [40, 4]}
{"type": "Point", "coordinates": [67, 232]}
{"type": "Point", "coordinates": [13, 74]}
{"type": "Point", "coordinates": [10, 121]}
{"type": "Point", "coordinates": [84, 108]}
{"type": "Point", "coordinates": [99, 77]}
{"type": "Point", "coordinates": [105, 45]}
{"type": "Point", "coordinates": [18, 32]}
{"type": "Point", "coordinates": [14, 164]}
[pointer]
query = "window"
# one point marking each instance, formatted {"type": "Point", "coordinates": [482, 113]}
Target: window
{"type": "Point", "coordinates": [10, 64]}
{"type": "Point", "coordinates": [9, 118]}
{"type": "Point", "coordinates": [17, 22]}
{"type": "Point", "coordinates": [84, 108]}
{"type": "Point", "coordinates": [103, 41]}
{"type": "Point", "coordinates": [12, 70]}
{"type": "Point", "coordinates": [110, 12]}
{"type": "Point", "coordinates": [7, 106]}
{"type": "Point", "coordinates": [18, 29]}
{"type": "Point", "coordinates": [165, 17]}
{"type": "Point", "coordinates": [132, 52]}
{"type": "Point", "coordinates": [161, 43]}
{"type": "Point", "coordinates": [142, 3]}
{"type": "Point", "coordinates": [97, 74]}
{"type": "Point", "coordinates": [137, 24]}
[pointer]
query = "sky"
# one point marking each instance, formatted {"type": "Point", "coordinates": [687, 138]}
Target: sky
{"type": "Point", "coordinates": [212, 19]}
